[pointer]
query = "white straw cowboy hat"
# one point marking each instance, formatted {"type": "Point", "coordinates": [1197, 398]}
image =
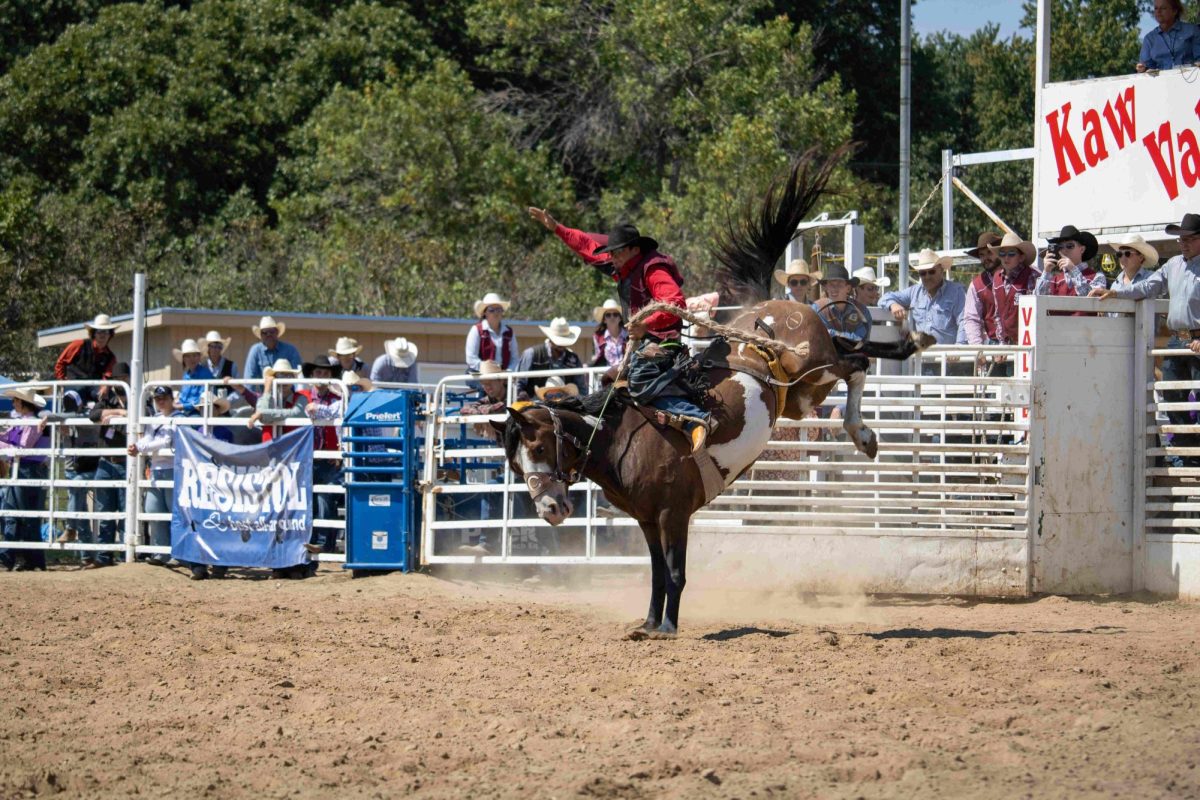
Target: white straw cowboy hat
{"type": "Point", "coordinates": [489, 368]}
{"type": "Point", "coordinates": [267, 323]}
{"type": "Point", "coordinates": [189, 346]}
{"type": "Point", "coordinates": [556, 386]}
{"type": "Point", "coordinates": [1012, 240]}
{"type": "Point", "coordinates": [401, 351]}
{"type": "Point", "coordinates": [490, 299]}
{"type": "Point", "coordinates": [346, 347]}
{"type": "Point", "coordinates": [353, 379]}
{"type": "Point", "coordinates": [609, 305]}
{"type": "Point", "coordinates": [214, 337]}
{"type": "Point", "coordinates": [1135, 242]}
{"type": "Point", "coordinates": [797, 266]}
{"type": "Point", "coordinates": [102, 322]}
{"type": "Point", "coordinates": [219, 404]}
{"type": "Point", "coordinates": [867, 275]}
{"type": "Point", "coordinates": [27, 394]}
{"type": "Point", "coordinates": [559, 332]}
{"type": "Point", "coordinates": [281, 367]}
{"type": "Point", "coordinates": [928, 259]}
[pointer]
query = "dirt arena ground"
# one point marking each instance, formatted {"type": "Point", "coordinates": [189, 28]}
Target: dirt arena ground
{"type": "Point", "coordinates": [134, 681]}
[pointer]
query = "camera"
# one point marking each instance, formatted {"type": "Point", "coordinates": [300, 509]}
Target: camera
{"type": "Point", "coordinates": [1052, 249]}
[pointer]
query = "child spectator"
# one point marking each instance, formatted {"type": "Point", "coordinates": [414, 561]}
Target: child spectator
{"type": "Point", "coordinates": [26, 405]}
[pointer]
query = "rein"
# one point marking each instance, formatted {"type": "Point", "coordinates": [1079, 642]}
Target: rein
{"type": "Point", "coordinates": [540, 482]}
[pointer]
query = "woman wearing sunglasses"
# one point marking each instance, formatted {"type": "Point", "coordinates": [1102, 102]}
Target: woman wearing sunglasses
{"type": "Point", "coordinates": [1136, 257]}
{"type": "Point", "coordinates": [798, 281]}
{"type": "Point", "coordinates": [610, 337]}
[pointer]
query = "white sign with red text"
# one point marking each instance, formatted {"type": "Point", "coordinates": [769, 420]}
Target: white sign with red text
{"type": "Point", "coordinates": [1119, 152]}
{"type": "Point", "coordinates": [1026, 336]}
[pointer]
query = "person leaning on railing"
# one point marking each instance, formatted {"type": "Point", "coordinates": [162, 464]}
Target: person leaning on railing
{"type": "Point", "coordinates": [324, 405]}
{"type": "Point", "coordinates": [88, 359]}
{"type": "Point", "coordinates": [1174, 43]}
{"type": "Point", "coordinates": [110, 412]}
{"type": "Point", "coordinates": [156, 441]}
{"type": "Point", "coordinates": [77, 467]}
{"type": "Point", "coordinates": [1179, 280]}
{"type": "Point", "coordinates": [26, 406]}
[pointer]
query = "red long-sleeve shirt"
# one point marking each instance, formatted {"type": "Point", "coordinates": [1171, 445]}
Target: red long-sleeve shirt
{"type": "Point", "coordinates": [660, 284]}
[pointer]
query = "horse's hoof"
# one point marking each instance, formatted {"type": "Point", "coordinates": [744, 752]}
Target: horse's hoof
{"type": "Point", "coordinates": [638, 634]}
{"type": "Point", "coordinates": [659, 633]}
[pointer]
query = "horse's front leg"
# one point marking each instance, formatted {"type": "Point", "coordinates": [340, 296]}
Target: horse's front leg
{"type": "Point", "coordinates": [674, 539]}
{"type": "Point", "coordinates": [658, 583]}
{"type": "Point", "coordinates": [862, 436]}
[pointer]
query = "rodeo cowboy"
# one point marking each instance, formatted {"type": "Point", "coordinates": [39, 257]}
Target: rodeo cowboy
{"type": "Point", "coordinates": [644, 275]}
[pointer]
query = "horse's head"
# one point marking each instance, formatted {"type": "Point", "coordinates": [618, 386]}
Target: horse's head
{"type": "Point", "coordinates": [545, 456]}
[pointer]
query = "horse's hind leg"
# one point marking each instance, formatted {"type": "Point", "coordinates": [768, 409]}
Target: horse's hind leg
{"type": "Point", "coordinates": [862, 436]}
{"type": "Point", "coordinates": [674, 541]}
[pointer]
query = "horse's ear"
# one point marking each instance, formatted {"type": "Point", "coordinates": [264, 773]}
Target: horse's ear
{"type": "Point", "coordinates": [515, 415]}
{"type": "Point", "coordinates": [498, 427]}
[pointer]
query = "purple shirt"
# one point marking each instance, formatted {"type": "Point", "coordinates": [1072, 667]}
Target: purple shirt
{"type": "Point", "coordinates": [26, 437]}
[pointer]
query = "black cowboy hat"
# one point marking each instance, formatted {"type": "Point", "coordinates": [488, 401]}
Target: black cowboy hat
{"type": "Point", "coordinates": [985, 241]}
{"type": "Point", "coordinates": [1070, 233]}
{"type": "Point", "coordinates": [837, 272]}
{"type": "Point", "coordinates": [626, 235]}
{"type": "Point", "coordinates": [322, 361]}
{"type": "Point", "coordinates": [1189, 225]}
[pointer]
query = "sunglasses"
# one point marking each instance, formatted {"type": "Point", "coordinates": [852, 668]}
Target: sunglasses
{"type": "Point", "coordinates": [1009, 253]}
{"type": "Point", "coordinates": [798, 282]}
{"type": "Point", "coordinates": [269, 332]}
{"type": "Point", "coordinates": [493, 310]}
{"type": "Point", "coordinates": [1190, 237]}
{"type": "Point", "coordinates": [612, 315]}
{"type": "Point", "coordinates": [1127, 253]}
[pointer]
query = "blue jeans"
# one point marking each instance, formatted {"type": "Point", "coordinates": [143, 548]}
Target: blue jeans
{"type": "Point", "coordinates": [24, 529]}
{"type": "Point", "coordinates": [673, 404]}
{"type": "Point", "coordinates": [159, 501]}
{"type": "Point", "coordinates": [1181, 368]}
{"type": "Point", "coordinates": [326, 504]}
{"type": "Point", "coordinates": [109, 500]}
{"type": "Point", "coordinates": [77, 501]}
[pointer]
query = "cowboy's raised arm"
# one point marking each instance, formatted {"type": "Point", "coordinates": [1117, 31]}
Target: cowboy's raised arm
{"type": "Point", "coordinates": [583, 244]}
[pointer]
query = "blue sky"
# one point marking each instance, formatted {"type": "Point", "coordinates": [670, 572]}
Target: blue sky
{"type": "Point", "coordinates": [967, 16]}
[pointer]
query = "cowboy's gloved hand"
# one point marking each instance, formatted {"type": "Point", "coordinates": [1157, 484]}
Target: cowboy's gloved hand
{"type": "Point", "coordinates": [609, 375]}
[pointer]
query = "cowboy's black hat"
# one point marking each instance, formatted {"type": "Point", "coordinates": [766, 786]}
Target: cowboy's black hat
{"type": "Point", "coordinates": [1189, 225]}
{"type": "Point", "coordinates": [837, 272]}
{"type": "Point", "coordinates": [1070, 233]}
{"type": "Point", "coordinates": [985, 241]}
{"type": "Point", "coordinates": [626, 235]}
{"type": "Point", "coordinates": [323, 361]}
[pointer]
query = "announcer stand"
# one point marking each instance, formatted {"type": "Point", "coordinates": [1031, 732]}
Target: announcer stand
{"type": "Point", "coordinates": [382, 510]}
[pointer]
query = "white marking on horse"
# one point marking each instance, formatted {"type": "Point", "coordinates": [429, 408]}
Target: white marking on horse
{"type": "Point", "coordinates": [826, 377]}
{"type": "Point", "coordinates": [735, 455]}
{"type": "Point", "coordinates": [768, 320]}
{"type": "Point", "coordinates": [526, 462]}
{"type": "Point", "coordinates": [859, 433]}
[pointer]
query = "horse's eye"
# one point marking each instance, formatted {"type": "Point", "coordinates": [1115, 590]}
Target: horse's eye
{"type": "Point", "coordinates": [539, 451]}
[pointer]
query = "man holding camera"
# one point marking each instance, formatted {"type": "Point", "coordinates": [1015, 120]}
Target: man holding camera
{"type": "Point", "coordinates": [1067, 273]}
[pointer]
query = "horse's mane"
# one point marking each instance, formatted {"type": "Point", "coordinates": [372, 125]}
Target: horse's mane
{"type": "Point", "coordinates": [750, 247]}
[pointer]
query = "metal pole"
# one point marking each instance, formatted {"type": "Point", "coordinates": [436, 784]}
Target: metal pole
{"type": "Point", "coordinates": [133, 413]}
{"type": "Point", "coordinates": [905, 144]}
{"type": "Point", "coordinates": [947, 200]}
{"type": "Point", "coordinates": [1041, 78]}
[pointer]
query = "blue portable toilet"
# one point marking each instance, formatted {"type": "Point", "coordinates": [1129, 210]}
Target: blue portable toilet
{"type": "Point", "coordinates": [381, 464]}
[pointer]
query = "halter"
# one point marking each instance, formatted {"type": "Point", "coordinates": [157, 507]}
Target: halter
{"type": "Point", "coordinates": [540, 482]}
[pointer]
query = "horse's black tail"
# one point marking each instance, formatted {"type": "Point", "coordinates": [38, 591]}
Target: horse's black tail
{"type": "Point", "coordinates": [750, 247]}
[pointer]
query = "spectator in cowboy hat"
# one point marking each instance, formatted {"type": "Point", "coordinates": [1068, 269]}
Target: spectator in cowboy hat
{"type": "Point", "coordinates": [1137, 258]}
{"type": "Point", "coordinates": [553, 354]}
{"type": "Point", "coordinates": [979, 290]}
{"type": "Point", "coordinates": [991, 313]}
{"type": "Point", "coordinates": [269, 348]}
{"type": "Point", "coordinates": [935, 304]}
{"type": "Point", "coordinates": [191, 357]}
{"type": "Point", "coordinates": [491, 339]}
{"type": "Point", "coordinates": [88, 359]}
{"type": "Point", "coordinates": [398, 364]}
{"type": "Point", "coordinates": [289, 403]}
{"type": "Point", "coordinates": [1067, 273]}
{"type": "Point", "coordinates": [1174, 43]}
{"type": "Point", "coordinates": [610, 337]}
{"type": "Point", "coordinates": [1179, 280]}
{"type": "Point", "coordinates": [869, 288]}
{"type": "Point", "coordinates": [848, 321]}
{"type": "Point", "coordinates": [27, 404]}
{"type": "Point", "coordinates": [218, 364]}
{"type": "Point", "coordinates": [346, 352]}
{"type": "Point", "coordinates": [798, 281]}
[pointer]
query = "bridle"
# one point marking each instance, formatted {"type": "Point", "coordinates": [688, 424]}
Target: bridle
{"type": "Point", "coordinates": [541, 482]}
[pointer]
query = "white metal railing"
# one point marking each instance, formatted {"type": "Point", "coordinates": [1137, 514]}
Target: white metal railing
{"type": "Point", "coordinates": [953, 461]}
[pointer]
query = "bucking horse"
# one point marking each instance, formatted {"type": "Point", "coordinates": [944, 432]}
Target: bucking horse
{"type": "Point", "coordinates": [778, 361]}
